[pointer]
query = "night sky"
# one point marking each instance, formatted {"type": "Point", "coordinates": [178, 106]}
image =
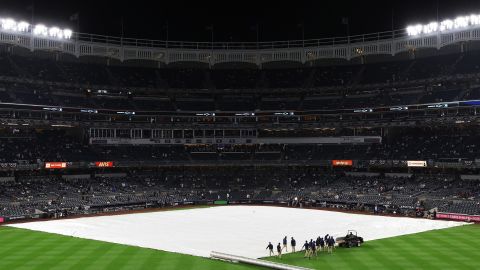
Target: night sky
{"type": "Point", "coordinates": [234, 20]}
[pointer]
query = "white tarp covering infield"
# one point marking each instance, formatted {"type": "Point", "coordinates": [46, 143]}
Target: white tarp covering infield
{"type": "Point", "coordinates": [239, 230]}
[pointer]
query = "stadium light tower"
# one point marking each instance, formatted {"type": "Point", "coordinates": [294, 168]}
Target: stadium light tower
{"type": "Point", "coordinates": [11, 25]}
{"type": "Point", "coordinates": [460, 22]}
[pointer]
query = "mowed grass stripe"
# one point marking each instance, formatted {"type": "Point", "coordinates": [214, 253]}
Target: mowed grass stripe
{"type": "Point", "coordinates": [151, 260]}
{"type": "Point", "coordinates": [85, 256]}
{"type": "Point", "coordinates": [109, 253]}
{"type": "Point", "coordinates": [15, 250]}
{"type": "Point", "coordinates": [433, 247]}
{"type": "Point", "coordinates": [469, 240]}
{"type": "Point", "coordinates": [11, 250]}
{"type": "Point", "coordinates": [91, 254]}
{"type": "Point", "coordinates": [126, 256]}
{"type": "Point", "coordinates": [423, 255]}
{"type": "Point", "coordinates": [458, 251]}
{"type": "Point", "coordinates": [68, 253]}
{"type": "Point", "coordinates": [34, 252]}
{"type": "Point", "coordinates": [390, 254]}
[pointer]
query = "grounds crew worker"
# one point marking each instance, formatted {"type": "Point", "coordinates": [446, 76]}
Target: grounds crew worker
{"type": "Point", "coordinates": [285, 244]}
{"type": "Point", "coordinates": [293, 243]}
{"type": "Point", "coordinates": [313, 248]}
{"type": "Point", "coordinates": [270, 248]}
{"type": "Point", "coordinates": [307, 249]}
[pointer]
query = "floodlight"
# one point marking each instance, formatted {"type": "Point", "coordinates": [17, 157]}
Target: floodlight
{"type": "Point", "coordinates": [55, 32]}
{"type": "Point", "coordinates": [9, 24]}
{"type": "Point", "coordinates": [461, 22]}
{"type": "Point", "coordinates": [40, 30]}
{"type": "Point", "coordinates": [67, 33]}
{"type": "Point", "coordinates": [445, 25]}
{"type": "Point", "coordinates": [414, 30]}
{"type": "Point", "coordinates": [431, 27]}
{"type": "Point", "coordinates": [23, 26]}
{"type": "Point", "coordinates": [475, 19]}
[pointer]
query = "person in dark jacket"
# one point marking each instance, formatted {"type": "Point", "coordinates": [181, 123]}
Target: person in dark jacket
{"type": "Point", "coordinates": [293, 243]}
{"type": "Point", "coordinates": [331, 244]}
{"type": "Point", "coordinates": [279, 251]}
{"type": "Point", "coordinates": [322, 244]}
{"type": "Point", "coordinates": [313, 248]}
{"type": "Point", "coordinates": [306, 246]}
{"type": "Point", "coordinates": [270, 248]}
{"type": "Point", "coordinates": [285, 241]}
{"type": "Point", "coordinates": [317, 242]}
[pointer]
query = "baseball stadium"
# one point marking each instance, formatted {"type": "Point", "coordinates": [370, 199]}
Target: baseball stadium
{"type": "Point", "coordinates": [187, 135]}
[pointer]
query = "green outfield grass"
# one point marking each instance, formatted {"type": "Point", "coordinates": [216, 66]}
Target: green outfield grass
{"type": "Point", "coordinates": [455, 248]}
{"type": "Point", "coordinates": [25, 249]}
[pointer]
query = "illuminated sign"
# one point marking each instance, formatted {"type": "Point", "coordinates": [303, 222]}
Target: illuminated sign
{"type": "Point", "coordinates": [438, 105]}
{"type": "Point", "coordinates": [342, 162]}
{"type": "Point", "coordinates": [53, 109]}
{"type": "Point", "coordinates": [399, 108]}
{"type": "Point", "coordinates": [55, 165]}
{"type": "Point", "coordinates": [284, 113]}
{"type": "Point", "coordinates": [104, 164]}
{"type": "Point", "coordinates": [416, 163]}
{"type": "Point", "coordinates": [88, 111]}
{"type": "Point", "coordinates": [363, 110]}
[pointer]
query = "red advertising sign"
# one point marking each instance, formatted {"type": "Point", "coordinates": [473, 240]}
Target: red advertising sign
{"type": "Point", "coordinates": [55, 165]}
{"type": "Point", "coordinates": [458, 217]}
{"type": "Point", "coordinates": [342, 162]}
{"type": "Point", "coordinates": [2, 220]}
{"type": "Point", "coordinates": [104, 164]}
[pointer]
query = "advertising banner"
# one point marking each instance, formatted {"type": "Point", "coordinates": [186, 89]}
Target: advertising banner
{"type": "Point", "coordinates": [416, 163]}
{"type": "Point", "coordinates": [104, 164]}
{"type": "Point", "coordinates": [458, 217]}
{"type": "Point", "coordinates": [342, 162]}
{"type": "Point", "coordinates": [55, 165]}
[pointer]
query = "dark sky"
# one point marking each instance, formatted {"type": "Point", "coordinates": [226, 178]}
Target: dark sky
{"type": "Point", "coordinates": [235, 20]}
